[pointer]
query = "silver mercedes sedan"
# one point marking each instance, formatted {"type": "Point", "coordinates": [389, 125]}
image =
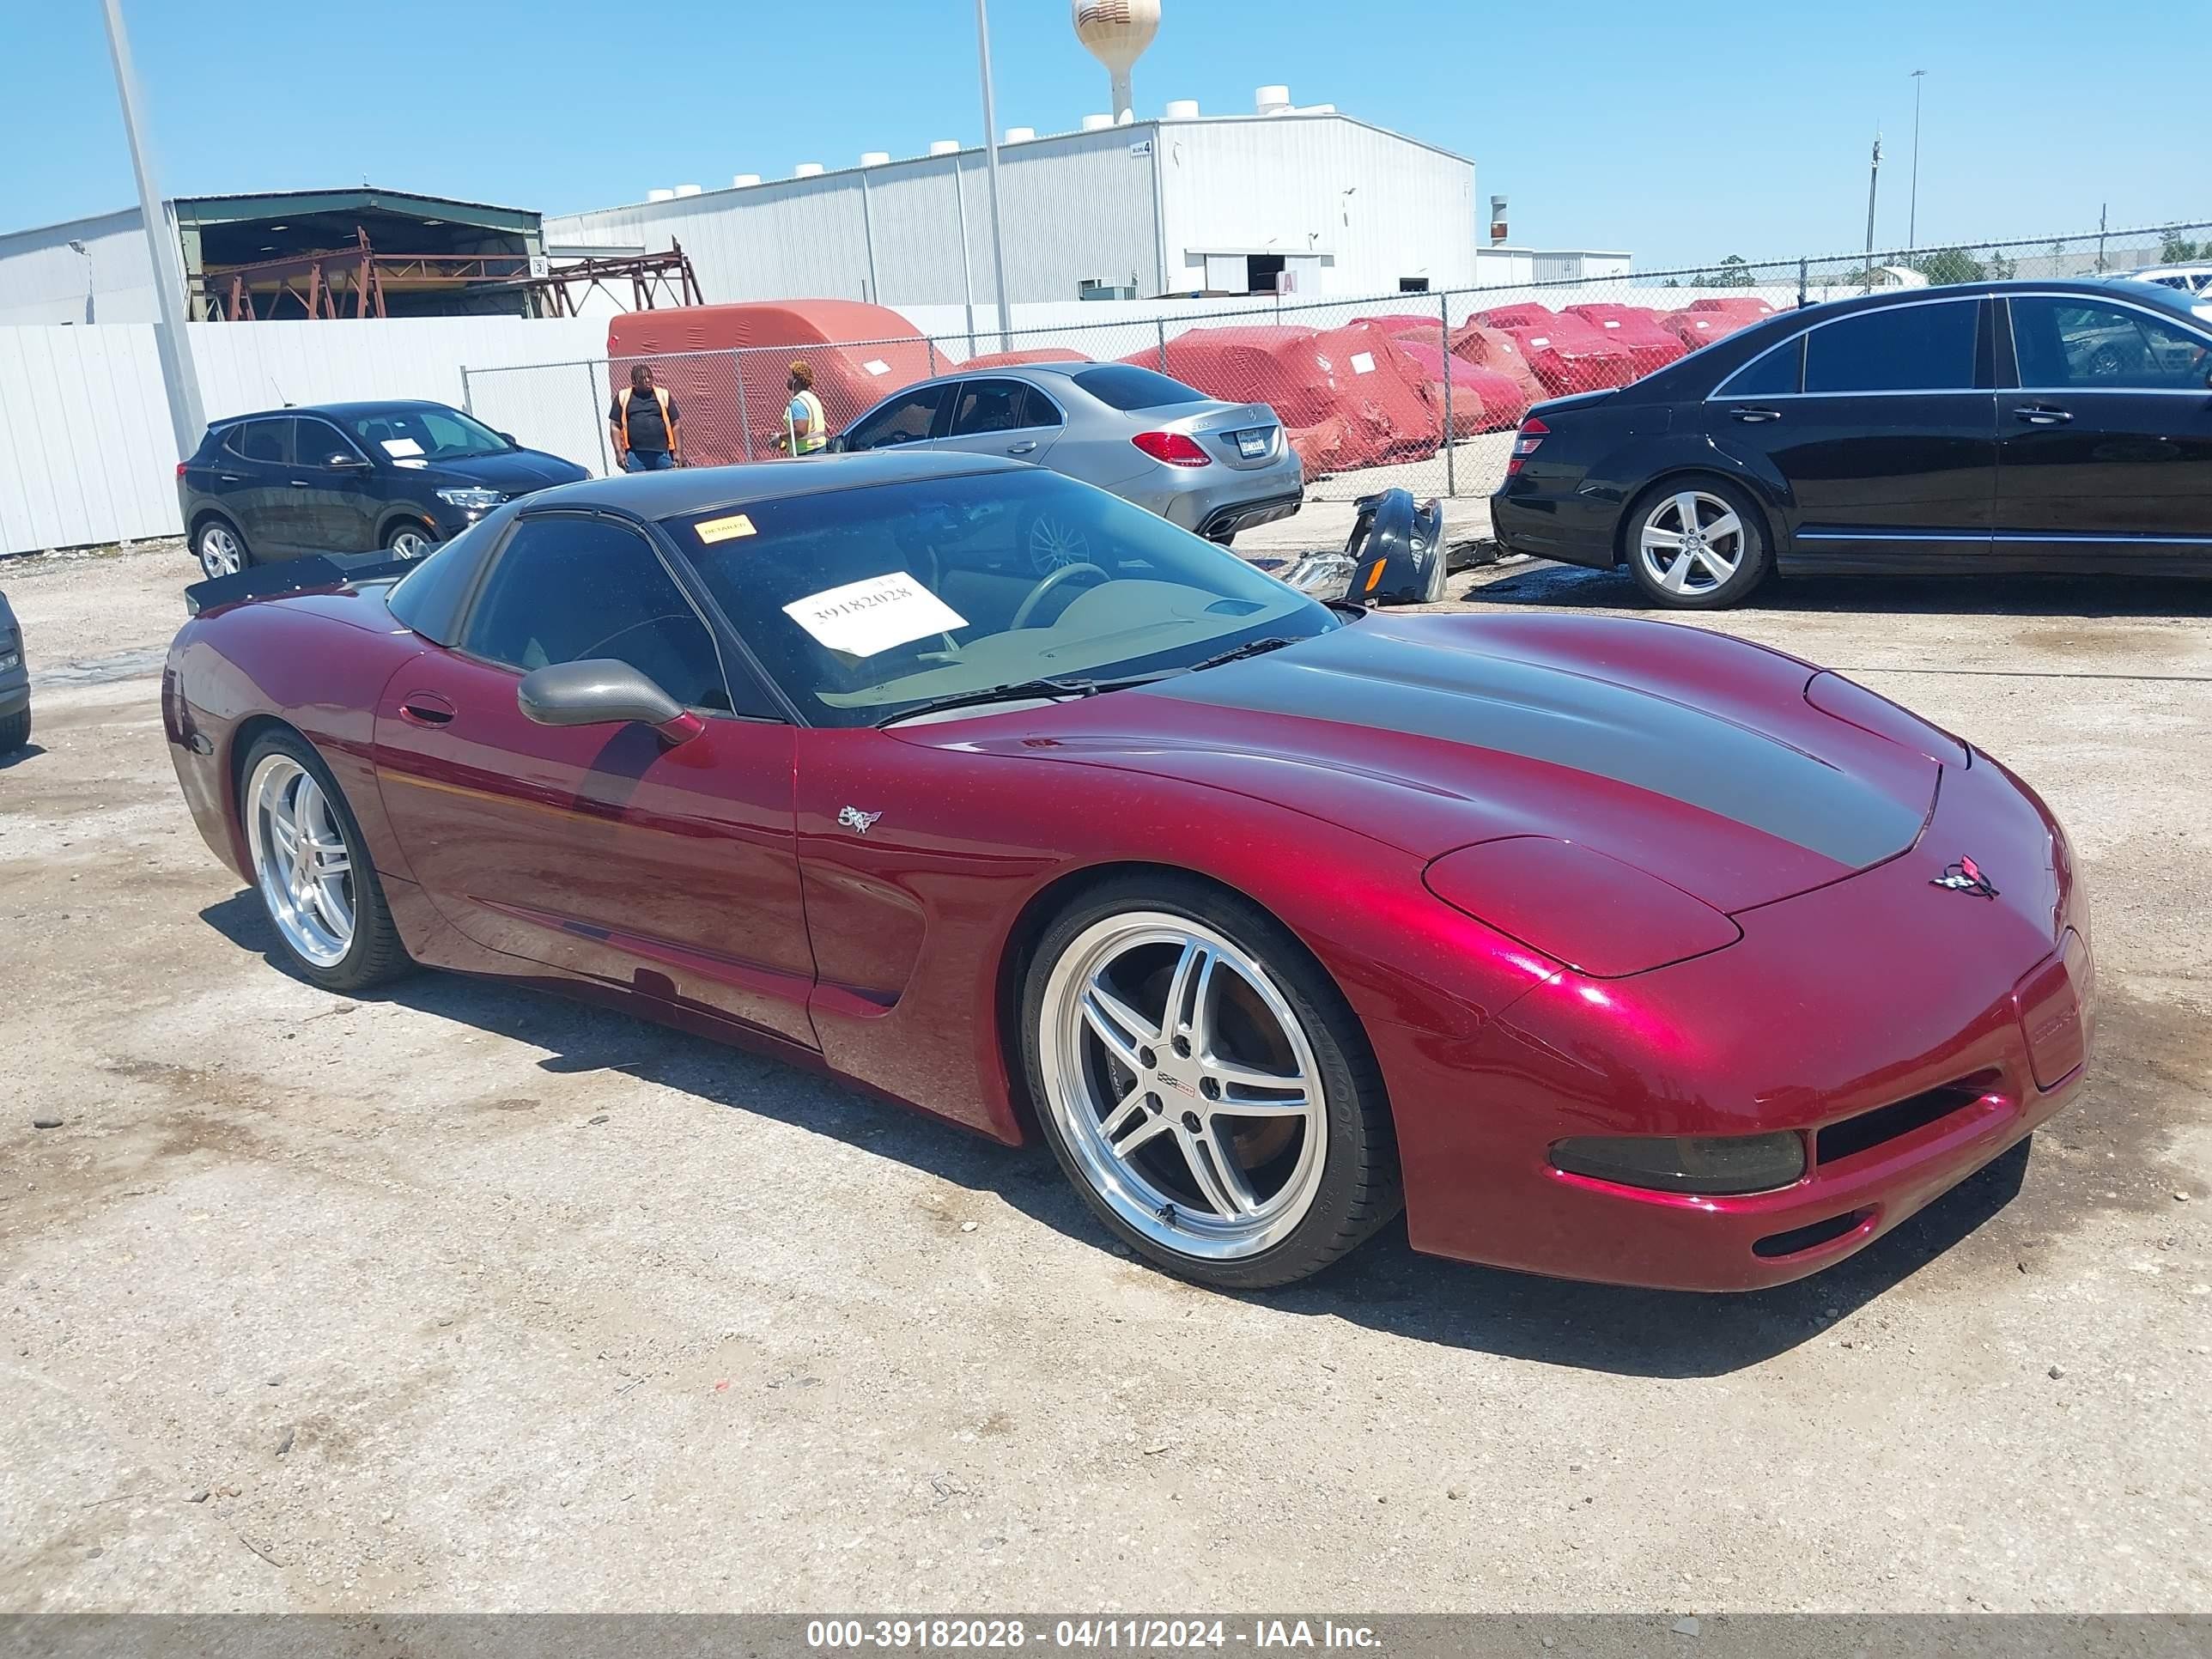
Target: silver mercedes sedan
{"type": "Point", "coordinates": [1212, 467]}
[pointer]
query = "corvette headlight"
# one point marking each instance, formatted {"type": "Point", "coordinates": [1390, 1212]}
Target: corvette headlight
{"type": "Point", "coordinates": [1686, 1163]}
{"type": "Point", "coordinates": [475, 500]}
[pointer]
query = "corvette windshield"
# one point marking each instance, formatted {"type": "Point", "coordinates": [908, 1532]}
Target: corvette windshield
{"type": "Point", "coordinates": [866, 604]}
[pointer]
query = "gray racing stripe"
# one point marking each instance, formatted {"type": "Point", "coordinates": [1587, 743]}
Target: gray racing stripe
{"type": "Point", "coordinates": [1592, 726]}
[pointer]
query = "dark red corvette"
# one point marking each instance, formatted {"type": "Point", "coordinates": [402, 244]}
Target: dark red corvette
{"type": "Point", "coordinates": [1613, 950]}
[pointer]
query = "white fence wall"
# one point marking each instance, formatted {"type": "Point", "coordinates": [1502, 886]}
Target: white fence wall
{"type": "Point", "coordinates": [86, 451]}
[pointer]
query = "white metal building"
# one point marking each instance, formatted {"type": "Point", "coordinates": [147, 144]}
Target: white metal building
{"type": "Point", "coordinates": [1310, 202]}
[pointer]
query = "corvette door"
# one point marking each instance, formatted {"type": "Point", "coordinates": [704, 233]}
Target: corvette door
{"type": "Point", "coordinates": [605, 851]}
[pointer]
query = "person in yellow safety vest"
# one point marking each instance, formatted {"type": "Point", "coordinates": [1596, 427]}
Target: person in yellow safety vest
{"type": "Point", "coordinates": [647, 427]}
{"type": "Point", "coordinates": [806, 427]}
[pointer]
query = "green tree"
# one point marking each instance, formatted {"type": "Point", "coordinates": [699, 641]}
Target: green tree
{"type": "Point", "coordinates": [1952, 264]}
{"type": "Point", "coordinates": [1734, 271]}
{"type": "Point", "coordinates": [2175, 249]}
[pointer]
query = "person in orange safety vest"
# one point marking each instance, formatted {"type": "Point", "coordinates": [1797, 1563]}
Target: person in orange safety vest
{"type": "Point", "coordinates": [645, 425]}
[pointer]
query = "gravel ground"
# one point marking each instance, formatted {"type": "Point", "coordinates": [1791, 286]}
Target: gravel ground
{"type": "Point", "coordinates": [463, 1298]}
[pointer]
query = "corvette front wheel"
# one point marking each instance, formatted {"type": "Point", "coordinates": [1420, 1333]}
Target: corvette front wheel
{"type": "Point", "coordinates": [1205, 1085]}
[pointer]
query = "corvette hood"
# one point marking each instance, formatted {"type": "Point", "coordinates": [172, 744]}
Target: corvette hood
{"type": "Point", "coordinates": [1689, 754]}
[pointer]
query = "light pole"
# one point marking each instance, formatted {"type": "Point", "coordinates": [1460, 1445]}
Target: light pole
{"type": "Point", "coordinates": [1912, 217]}
{"type": "Point", "coordinates": [991, 161]}
{"type": "Point", "coordinates": [77, 247]}
{"type": "Point", "coordinates": [1873, 181]}
{"type": "Point", "coordinates": [175, 348]}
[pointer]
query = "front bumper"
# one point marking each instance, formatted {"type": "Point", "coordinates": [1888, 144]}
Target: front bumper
{"type": "Point", "coordinates": [1879, 993]}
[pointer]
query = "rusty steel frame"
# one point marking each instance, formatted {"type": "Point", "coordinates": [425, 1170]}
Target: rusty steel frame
{"type": "Point", "coordinates": [230, 289]}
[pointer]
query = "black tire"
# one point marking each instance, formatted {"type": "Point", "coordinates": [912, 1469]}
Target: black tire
{"type": "Point", "coordinates": [412, 531]}
{"type": "Point", "coordinates": [1359, 1189]}
{"type": "Point", "coordinates": [1655, 508]}
{"type": "Point", "coordinates": [376, 954]}
{"type": "Point", "coordinates": [216, 528]}
{"type": "Point", "coordinates": [15, 731]}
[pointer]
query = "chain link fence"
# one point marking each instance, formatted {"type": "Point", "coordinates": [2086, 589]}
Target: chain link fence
{"type": "Point", "coordinates": [1422, 390]}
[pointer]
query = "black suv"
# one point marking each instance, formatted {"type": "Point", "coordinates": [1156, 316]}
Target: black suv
{"type": "Point", "coordinates": [347, 479]}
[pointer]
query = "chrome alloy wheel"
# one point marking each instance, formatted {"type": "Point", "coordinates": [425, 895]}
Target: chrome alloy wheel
{"type": "Point", "coordinates": [1691, 542]}
{"type": "Point", "coordinates": [409, 544]}
{"type": "Point", "coordinates": [300, 859]}
{"type": "Point", "coordinates": [219, 552]}
{"type": "Point", "coordinates": [1183, 1085]}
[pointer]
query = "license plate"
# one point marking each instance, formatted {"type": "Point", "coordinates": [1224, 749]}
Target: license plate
{"type": "Point", "coordinates": [1251, 445]}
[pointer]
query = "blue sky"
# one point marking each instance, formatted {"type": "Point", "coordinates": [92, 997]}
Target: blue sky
{"type": "Point", "coordinates": [1609, 124]}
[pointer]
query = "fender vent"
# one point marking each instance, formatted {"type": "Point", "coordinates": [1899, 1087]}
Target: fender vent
{"type": "Point", "coordinates": [1868, 1130]}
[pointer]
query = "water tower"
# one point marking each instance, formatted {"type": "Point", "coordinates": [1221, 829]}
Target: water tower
{"type": "Point", "coordinates": [1116, 33]}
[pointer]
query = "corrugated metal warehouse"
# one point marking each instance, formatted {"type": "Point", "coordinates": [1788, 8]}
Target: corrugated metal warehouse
{"type": "Point", "coordinates": [1305, 201]}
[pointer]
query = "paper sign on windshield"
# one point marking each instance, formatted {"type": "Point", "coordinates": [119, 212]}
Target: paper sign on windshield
{"type": "Point", "coordinates": [1363, 362]}
{"type": "Point", "coordinates": [865, 618]}
{"type": "Point", "coordinates": [398, 446]}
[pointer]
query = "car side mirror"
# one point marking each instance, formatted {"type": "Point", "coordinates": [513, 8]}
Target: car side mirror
{"type": "Point", "coordinates": [600, 691]}
{"type": "Point", "coordinates": [837, 445]}
{"type": "Point", "coordinates": [343, 460]}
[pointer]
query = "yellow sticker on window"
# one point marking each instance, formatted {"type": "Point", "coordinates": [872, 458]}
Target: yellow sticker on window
{"type": "Point", "coordinates": [724, 530]}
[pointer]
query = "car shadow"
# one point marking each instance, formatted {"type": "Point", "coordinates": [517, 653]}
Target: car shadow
{"type": "Point", "coordinates": [1384, 1285]}
{"type": "Point", "coordinates": [17, 756]}
{"type": "Point", "coordinates": [1576, 587]}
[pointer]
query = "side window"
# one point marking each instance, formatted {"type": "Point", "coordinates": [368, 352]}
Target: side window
{"type": "Point", "coordinates": [318, 440]}
{"type": "Point", "coordinates": [1776, 374]}
{"type": "Point", "coordinates": [268, 441]}
{"type": "Point", "coordinates": [989, 406]}
{"type": "Point", "coordinates": [1912, 348]}
{"type": "Point", "coordinates": [566, 589]}
{"type": "Point", "coordinates": [905, 420]}
{"type": "Point", "coordinates": [1038, 409]}
{"type": "Point", "coordinates": [2092, 346]}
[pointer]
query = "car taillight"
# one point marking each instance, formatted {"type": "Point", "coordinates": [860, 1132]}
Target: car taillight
{"type": "Point", "coordinates": [1175, 449]}
{"type": "Point", "coordinates": [1531, 436]}
{"type": "Point", "coordinates": [180, 469]}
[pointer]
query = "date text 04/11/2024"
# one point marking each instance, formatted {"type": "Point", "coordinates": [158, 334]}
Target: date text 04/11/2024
{"type": "Point", "coordinates": [1125, 1634]}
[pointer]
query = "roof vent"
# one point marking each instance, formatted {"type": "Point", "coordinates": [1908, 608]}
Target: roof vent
{"type": "Point", "coordinates": [1019, 135]}
{"type": "Point", "coordinates": [874, 158]}
{"type": "Point", "coordinates": [660, 196]}
{"type": "Point", "coordinates": [1096, 123]}
{"type": "Point", "coordinates": [1181, 109]}
{"type": "Point", "coordinates": [687, 190]}
{"type": "Point", "coordinates": [1271, 101]}
{"type": "Point", "coordinates": [944, 147]}
{"type": "Point", "coordinates": [806, 170]}
{"type": "Point", "coordinates": [746, 179]}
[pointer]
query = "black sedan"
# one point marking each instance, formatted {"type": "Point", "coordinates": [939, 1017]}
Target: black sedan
{"type": "Point", "coordinates": [2061, 426]}
{"type": "Point", "coordinates": [347, 479]}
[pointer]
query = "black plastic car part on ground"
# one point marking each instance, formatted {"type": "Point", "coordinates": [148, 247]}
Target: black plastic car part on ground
{"type": "Point", "coordinates": [348, 477]}
{"type": "Point", "coordinates": [15, 684]}
{"type": "Point", "coordinates": [2003, 426]}
{"type": "Point", "coordinates": [1394, 556]}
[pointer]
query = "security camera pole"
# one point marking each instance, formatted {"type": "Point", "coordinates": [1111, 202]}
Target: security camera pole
{"type": "Point", "coordinates": [175, 347]}
{"type": "Point", "coordinates": [990, 158]}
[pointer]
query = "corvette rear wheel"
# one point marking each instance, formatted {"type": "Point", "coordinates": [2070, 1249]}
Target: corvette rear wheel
{"type": "Point", "coordinates": [1205, 1086]}
{"type": "Point", "coordinates": [312, 870]}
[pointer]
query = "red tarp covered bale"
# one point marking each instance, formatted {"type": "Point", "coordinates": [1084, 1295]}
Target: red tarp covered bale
{"type": "Point", "coordinates": [753, 347]}
{"type": "Point", "coordinates": [1650, 344]}
{"type": "Point", "coordinates": [1482, 399]}
{"type": "Point", "coordinates": [1016, 359]}
{"type": "Point", "coordinates": [1568, 353]}
{"type": "Point", "coordinates": [1703, 321]}
{"type": "Point", "coordinates": [1348, 396]}
{"type": "Point", "coordinates": [1495, 349]}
